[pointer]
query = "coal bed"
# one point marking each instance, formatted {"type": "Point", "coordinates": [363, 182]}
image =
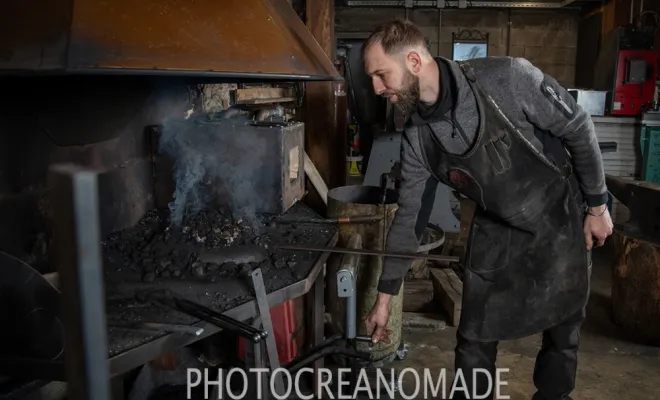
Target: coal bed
{"type": "Point", "coordinates": [206, 259]}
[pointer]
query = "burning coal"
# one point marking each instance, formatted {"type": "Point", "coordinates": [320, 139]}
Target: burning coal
{"type": "Point", "coordinates": [214, 165]}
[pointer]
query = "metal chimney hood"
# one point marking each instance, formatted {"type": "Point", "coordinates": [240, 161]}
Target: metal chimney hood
{"type": "Point", "coordinates": [233, 39]}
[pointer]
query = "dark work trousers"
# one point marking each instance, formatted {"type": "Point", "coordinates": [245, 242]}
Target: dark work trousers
{"type": "Point", "coordinates": [554, 372]}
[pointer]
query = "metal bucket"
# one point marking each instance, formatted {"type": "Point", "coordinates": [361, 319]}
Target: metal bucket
{"type": "Point", "coordinates": [356, 201]}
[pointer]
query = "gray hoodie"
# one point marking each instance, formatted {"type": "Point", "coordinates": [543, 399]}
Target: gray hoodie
{"type": "Point", "coordinates": [532, 101]}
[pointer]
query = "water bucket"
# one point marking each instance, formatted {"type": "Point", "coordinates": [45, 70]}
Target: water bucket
{"type": "Point", "coordinates": [356, 201]}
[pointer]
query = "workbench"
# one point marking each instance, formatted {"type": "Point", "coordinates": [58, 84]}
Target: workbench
{"type": "Point", "coordinates": [127, 350]}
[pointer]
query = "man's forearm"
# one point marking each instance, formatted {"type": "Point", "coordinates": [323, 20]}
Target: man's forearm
{"type": "Point", "coordinates": [550, 107]}
{"type": "Point", "coordinates": [405, 236]}
{"type": "Point", "coordinates": [415, 203]}
{"type": "Point", "coordinates": [587, 162]}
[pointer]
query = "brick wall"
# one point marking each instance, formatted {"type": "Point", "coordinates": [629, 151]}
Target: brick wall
{"type": "Point", "coordinates": [548, 38]}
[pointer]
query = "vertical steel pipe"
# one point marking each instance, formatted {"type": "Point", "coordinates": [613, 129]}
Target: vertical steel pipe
{"type": "Point", "coordinates": [77, 246]}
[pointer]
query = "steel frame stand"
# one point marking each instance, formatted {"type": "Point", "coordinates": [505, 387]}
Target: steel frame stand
{"type": "Point", "coordinates": [341, 344]}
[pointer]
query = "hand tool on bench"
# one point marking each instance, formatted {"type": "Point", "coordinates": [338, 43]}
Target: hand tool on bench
{"type": "Point", "coordinates": [167, 298]}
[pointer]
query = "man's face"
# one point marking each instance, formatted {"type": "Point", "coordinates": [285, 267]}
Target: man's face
{"type": "Point", "coordinates": [392, 79]}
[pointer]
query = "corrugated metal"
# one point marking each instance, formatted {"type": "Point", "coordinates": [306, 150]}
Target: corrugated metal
{"type": "Point", "coordinates": [625, 161]}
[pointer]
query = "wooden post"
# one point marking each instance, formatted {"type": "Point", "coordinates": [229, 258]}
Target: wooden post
{"type": "Point", "coordinates": [325, 148]}
{"type": "Point", "coordinates": [636, 288]}
{"type": "Point", "coordinates": [617, 13]}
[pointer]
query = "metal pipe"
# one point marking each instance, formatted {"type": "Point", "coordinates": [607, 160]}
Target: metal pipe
{"type": "Point", "coordinates": [348, 272]}
{"type": "Point", "coordinates": [302, 247]}
{"type": "Point", "coordinates": [340, 220]}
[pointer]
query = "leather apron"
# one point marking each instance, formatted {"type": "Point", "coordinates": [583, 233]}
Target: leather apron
{"type": "Point", "coordinates": [526, 265]}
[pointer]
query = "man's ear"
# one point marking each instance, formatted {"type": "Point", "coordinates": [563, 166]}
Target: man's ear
{"type": "Point", "coordinates": [414, 61]}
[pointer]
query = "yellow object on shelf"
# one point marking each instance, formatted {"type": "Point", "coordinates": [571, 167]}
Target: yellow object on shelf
{"type": "Point", "coordinates": [354, 164]}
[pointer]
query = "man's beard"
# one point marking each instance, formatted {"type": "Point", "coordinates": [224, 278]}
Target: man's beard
{"type": "Point", "coordinates": [408, 96]}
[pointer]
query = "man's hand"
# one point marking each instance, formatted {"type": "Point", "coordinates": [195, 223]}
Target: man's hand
{"type": "Point", "coordinates": [598, 225]}
{"type": "Point", "coordinates": [377, 319]}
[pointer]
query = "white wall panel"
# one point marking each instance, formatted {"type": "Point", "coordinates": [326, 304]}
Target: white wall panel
{"type": "Point", "coordinates": [625, 161]}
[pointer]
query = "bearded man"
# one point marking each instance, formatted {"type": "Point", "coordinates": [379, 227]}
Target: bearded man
{"type": "Point", "coordinates": [509, 137]}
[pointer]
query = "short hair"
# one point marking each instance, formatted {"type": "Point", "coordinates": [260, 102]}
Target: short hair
{"type": "Point", "coordinates": [395, 36]}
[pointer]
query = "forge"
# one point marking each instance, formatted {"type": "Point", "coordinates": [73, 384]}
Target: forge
{"type": "Point", "coordinates": [152, 255]}
{"type": "Point", "coordinates": [189, 115]}
{"type": "Point", "coordinates": [193, 215]}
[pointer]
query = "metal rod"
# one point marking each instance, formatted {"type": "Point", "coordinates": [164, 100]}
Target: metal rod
{"type": "Point", "coordinates": [220, 320]}
{"type": "Point", "coordinates": [158, 326]}
{"type": "Point", "coordinates": [174, 328]}
{"type": "Point", "coordinates": [303, 247]}
{"type": "Point", "coordinates": [77, 244]}
{"type": "Point", "coordinates": [339, 220]}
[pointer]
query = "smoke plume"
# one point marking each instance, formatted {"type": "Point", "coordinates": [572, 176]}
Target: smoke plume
{"type": "Point", "coordinates": [215, 164]}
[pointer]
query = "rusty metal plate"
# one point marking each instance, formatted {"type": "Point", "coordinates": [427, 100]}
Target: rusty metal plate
{"type": "Point", "coordinates": [229, 38]}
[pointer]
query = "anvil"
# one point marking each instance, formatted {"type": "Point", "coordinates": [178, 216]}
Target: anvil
{"type": "Point", "coordinates": [643, 201]}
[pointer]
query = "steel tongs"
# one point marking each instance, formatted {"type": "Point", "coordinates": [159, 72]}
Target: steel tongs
{"type": "Point", "coordinates": [169, 299]}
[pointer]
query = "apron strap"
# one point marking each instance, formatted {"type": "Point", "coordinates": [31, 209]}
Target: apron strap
{"type": "Point", "coordinates": [468, 71]}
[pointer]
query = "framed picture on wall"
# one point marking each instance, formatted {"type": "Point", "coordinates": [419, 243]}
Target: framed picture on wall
{"type": "Point", "coordinates": [469, 44]}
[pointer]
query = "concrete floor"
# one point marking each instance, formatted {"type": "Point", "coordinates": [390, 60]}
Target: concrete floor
{"type": "Point", "coordinates": [610, 366]}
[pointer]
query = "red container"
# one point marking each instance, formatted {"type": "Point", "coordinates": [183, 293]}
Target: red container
{"type": "Point", "coordinates": [284, 325]}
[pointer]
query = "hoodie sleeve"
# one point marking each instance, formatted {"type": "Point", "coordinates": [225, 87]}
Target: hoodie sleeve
{"type": "Point", "coordinates": [550, 107]}
{"type": "Point", "coordinates": [417, 194]}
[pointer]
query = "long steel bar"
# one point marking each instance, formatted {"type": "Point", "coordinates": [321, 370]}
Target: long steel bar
{"type": "Point", "coordinates": [264, 313]}
{"type": "Point", "coordinates": [304, 247]}
{"type": "Point", "coordinates": [340, 220]}
{"type": "Point", "coordinates": [77, 244]}
{"type": "Point", "coordinates": [221, 320]}
{"type": "Point", "coordinates": [458, 4]}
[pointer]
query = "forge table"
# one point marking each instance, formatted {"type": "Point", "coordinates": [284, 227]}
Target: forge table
{"type": "Point", "coordinates": [91, 342]}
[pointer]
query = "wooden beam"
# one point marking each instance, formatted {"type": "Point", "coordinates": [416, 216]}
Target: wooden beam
{"type": "Point", "coordinates": [448, 292]}
{"type": "Point", "coordinates": [324, 146]}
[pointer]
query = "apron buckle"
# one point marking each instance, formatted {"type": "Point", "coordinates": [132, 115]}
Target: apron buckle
{"type": "Point", "coordinates": [467, 70]}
